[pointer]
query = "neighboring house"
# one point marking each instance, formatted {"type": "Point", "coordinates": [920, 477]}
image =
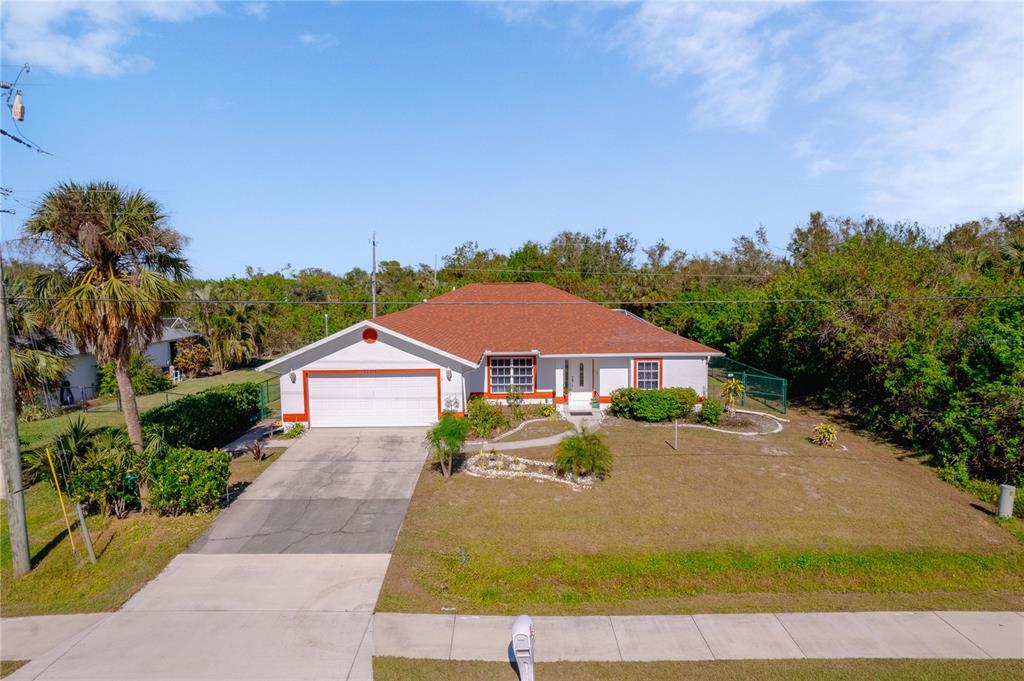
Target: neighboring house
{"type": "Point", "coordinates": [83, 379]}
{"type": "Point", "coordinates": [405, 368]}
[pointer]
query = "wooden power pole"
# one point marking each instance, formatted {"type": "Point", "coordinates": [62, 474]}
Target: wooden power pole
{"type": "Point", "coordinates": [10, 448]}
{"type": "Point", "coordinates": [373, 277]}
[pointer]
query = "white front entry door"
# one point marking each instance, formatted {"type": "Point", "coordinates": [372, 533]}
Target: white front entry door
{"type": "Point", "coordinates": [581, 379]}
{"type": "Point", "coordinates": [338, 400]}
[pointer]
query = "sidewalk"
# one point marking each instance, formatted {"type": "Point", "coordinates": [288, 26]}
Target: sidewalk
{"type": "Point", "coordinates": [836, 635]}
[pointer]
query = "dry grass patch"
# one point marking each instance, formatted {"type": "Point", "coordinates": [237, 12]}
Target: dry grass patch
{"type": "Point", "coordinates": [726, 523]}
{"type": "Point", "coordinates": [387, 668]}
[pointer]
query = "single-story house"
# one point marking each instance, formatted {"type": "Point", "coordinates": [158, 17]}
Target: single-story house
{"type": "Point", "coordinates": [405, 368]}
{"type": "Point", "coordinates": [81, 383]}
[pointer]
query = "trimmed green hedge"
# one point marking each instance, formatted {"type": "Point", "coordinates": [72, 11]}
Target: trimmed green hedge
{"type": "Point", "coordinates": [206, 419]}
{"type": "Point", "coordinates": [184, 480]}
{"type": "Point", "coordinates": [653, 405]}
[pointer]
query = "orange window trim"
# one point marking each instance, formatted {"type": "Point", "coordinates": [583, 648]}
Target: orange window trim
{"type": "Point", "coordinates": [636, 367]}
{"type": "Point", "coordinates": [306, 373]}
{"type": "Point", "coordinates": [532, 395]}
{"type": "Point", "coordinates": [539, 395]}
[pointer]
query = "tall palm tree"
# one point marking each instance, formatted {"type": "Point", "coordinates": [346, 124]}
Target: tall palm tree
{"type": "Point", "coordinates": [236, 333]}
{"type": "Point", "coordinates": [117, 266]}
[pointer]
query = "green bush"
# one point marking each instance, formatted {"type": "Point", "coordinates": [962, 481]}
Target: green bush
{"type": "Point", "coordinates": [33, 411]}
{"type": "Point", "coordinates": [184, 480]}
{"type": "Point", "coordinates": [711, 412]}
{"type": "Point", "coordinates": [146, 377]}
{"type": "Point", "coordinates": [545, 410]}
{"type": "Point", "coordinates": [653, 405]}
{"type": "Point", "coordinates": [446, 439]}
{"type": "Point", "coordinates": [102, 485]}
{"type": "Point", "coordinates": [292, 432]}
{"type": "Point", "coordinates": [583, 453]}
{"type": "Point", "coordinates": [206, 419]}
{"type": "Point", "coordinates": [484, 417]}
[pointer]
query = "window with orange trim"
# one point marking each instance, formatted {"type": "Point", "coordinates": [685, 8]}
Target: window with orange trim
{"type": "Point", "coordinates": [511, 371]}
{"type": "Point", "coordinates": [648, 375]}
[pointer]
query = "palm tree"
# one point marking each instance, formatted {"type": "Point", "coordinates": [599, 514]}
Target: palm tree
{"type": "Point", "coordinates": [37, 358]}
{"type": "Point", "coordinates": [117, 266]}
{"type": "Point", "coordinates": [236, 333]}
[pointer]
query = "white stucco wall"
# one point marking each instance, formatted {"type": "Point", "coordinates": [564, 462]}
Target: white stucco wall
{"type": "Point", "coordinates": [159, 354]}
{"type": "Point", "coordinates": [613, 373]}
{"type": "Point", "coordinates": [82, 375]}
{"type": "Point", "coordinates": [350, 351]}
{"type": "Point", "coordinates": [688, 372]}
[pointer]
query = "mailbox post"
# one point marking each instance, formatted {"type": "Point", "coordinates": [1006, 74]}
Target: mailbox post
{"type": "Point", "coordinates": [522, 646]}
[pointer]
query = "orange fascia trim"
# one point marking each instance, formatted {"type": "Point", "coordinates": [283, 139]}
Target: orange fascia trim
{"type": "Point", "coordinates": [533, 395]}
{"type": "Point", "coordinates": [526, 396]}
{"type": "Point", "coordinates": [661, 367]}
{"type": "Point", "coordinates": [306, 373]}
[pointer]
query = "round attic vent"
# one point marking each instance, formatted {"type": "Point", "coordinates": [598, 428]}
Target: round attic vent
{"type": "Point", "coordinates": [370, 335]}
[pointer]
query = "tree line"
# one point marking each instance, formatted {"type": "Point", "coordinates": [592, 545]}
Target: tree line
{"type": "Point", "coordinates": [892, 324]}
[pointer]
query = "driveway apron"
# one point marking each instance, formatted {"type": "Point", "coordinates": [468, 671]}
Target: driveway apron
{"type": "Point", "coordinates": [283, 584]}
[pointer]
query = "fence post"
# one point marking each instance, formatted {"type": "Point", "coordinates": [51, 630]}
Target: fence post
{"type": "Point", "coordinates": [263, 400]}
{"type": "Point", "coordinates": [743, 396]}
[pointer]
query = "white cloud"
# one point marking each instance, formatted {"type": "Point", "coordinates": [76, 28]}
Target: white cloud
{"type": "Point", "coordinates": [721, 46]}
{"type": "Point", "coordinates": [514, 12]}
{"type": "Point", "coordinates": [318, 40]}
{"type": "Point", "coordinates": [85, 37]}
{"type": "Point", "coordinates": [260, 10]}
{"type": "Point", "coordinates": [921, 104]}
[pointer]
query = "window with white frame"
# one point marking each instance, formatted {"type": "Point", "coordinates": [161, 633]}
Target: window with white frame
{"type": "Point", "coordinates": [648, 374]}
{"type": "Point", "coordinates": [509, 371]}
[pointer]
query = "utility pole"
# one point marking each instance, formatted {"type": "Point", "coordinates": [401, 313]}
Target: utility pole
{"type": "Point", "coordinates": [10, 448]}
{"type": "Point", "coordinates": [326, 330]}
{"type": "Point", "coordinates": [373, 277]}
{"type": "Point", "coordinates": [435, 270]}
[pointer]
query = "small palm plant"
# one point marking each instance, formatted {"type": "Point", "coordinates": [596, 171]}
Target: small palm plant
{"type": "Point", "coordinates": [732, 390]}
{"type": "Point", "coordinates": [824, 435]}
{"type": "Point", "coordinates": [446, 439]}
{"type": "Point", "coordinates": [583, 453]}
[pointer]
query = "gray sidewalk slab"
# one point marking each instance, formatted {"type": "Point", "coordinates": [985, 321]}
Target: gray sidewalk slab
{"type": "Point", "coordinates": [215, 646]}
{"type": "Point", "coordinates": [668, 637]}
{"type": "Point", "coordinates": [268, 582]}
{"type": "Point", "coordinates": [481, 638]}
{"type": "Point", "coordinates": [1000, 634]}
{"type": "Point", "coordinates": [877, 634]}
{"type": "Point", "coordinates": [575, 638]}
{"type": "Point", "coordinates": [26, 638]}
{"type": "Point", "coordinates": [747, 637]}
{"type": "Point", "coordinates": [411, 635]}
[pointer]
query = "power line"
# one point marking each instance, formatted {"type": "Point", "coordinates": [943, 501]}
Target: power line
{"type": "Point", "coordinates": [640, 271]}
{"type": "Point", "coordinates": [641, 303]}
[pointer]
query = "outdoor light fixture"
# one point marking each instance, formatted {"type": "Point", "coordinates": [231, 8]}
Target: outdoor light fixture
{"type": "Point", "coordinates": [448, 373]}
{"type": "Point", "coordinates": [291, 375]}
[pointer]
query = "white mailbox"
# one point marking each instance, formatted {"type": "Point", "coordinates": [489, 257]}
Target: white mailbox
{"type": "Point", "coordinates": [522, 646]}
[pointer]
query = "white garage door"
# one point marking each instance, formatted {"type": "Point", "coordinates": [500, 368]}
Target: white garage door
{"type": "Point", "coordinates": [372, 399]}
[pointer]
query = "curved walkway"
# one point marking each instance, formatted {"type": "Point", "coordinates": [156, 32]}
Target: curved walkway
{"type": "Point", "coordinates": [497, 445]}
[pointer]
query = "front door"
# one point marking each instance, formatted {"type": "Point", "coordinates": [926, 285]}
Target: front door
{"type": "Point", "coordinates": [581, 379]}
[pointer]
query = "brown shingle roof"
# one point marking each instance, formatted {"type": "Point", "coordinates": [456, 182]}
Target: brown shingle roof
{"type": "Point", "coordinates": [519, 317]}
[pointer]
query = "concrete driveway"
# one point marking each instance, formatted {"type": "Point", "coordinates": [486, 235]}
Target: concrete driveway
{"type": "Point", "coordinates": [337, 490]}
{"type": "Point", "coordinates": [281, 587]}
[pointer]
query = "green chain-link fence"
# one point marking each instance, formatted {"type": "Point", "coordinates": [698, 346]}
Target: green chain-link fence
{"type": "Point", "coordinates": [760, 389]}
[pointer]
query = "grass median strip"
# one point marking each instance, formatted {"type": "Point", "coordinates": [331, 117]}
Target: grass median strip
{"type": "Point", "coordinates": [387, 668]}
{"type": "Point", "coordinates": [494, 580]}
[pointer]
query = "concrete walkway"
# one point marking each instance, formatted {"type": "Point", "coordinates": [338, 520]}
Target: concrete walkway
{"type": "Point", "coordinates": [579, 421]}
{"type": "Point", "coordinates": [981, 635]}
{"type": "Point", "coordinates": [281, 587]}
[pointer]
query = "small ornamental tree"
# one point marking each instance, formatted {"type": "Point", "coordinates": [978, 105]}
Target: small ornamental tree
{"type": "Point", "coordinates": [446, 439]}
{"type": "Point", "coordinates": [192, 358]}
{"type": "Point", "coordinates": [732, 390]}
{"type": "Point", "coordinates": [824, 435]}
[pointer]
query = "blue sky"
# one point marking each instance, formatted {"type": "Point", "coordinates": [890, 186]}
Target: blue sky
{"type": "Point", "coordinates": [284, 133]}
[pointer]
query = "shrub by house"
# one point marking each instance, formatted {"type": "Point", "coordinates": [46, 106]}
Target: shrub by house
{"type": "Point", "coordinates": [207, 419]}
{"type": "Point", "coordinates": [653, 405]}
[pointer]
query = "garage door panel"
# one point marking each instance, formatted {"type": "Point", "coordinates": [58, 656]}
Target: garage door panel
{"type": "Point", "coordinates": [386, 399]}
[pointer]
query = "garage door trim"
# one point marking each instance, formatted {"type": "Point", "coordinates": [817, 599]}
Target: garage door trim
{"type": "Point", "coordinates": [306, 373]}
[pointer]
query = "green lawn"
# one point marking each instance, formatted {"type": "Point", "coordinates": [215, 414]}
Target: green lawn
{"type": "Point", "coordinates": [130, 551]}
{"type": "Point", "coordinates": [38, 433]}
{"type": "Point", "coordinates": [726, 524]}
{"type": "Point", "coordinates": [400, 668]}
{"type": "Point", "coordinates": [8, 667]}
